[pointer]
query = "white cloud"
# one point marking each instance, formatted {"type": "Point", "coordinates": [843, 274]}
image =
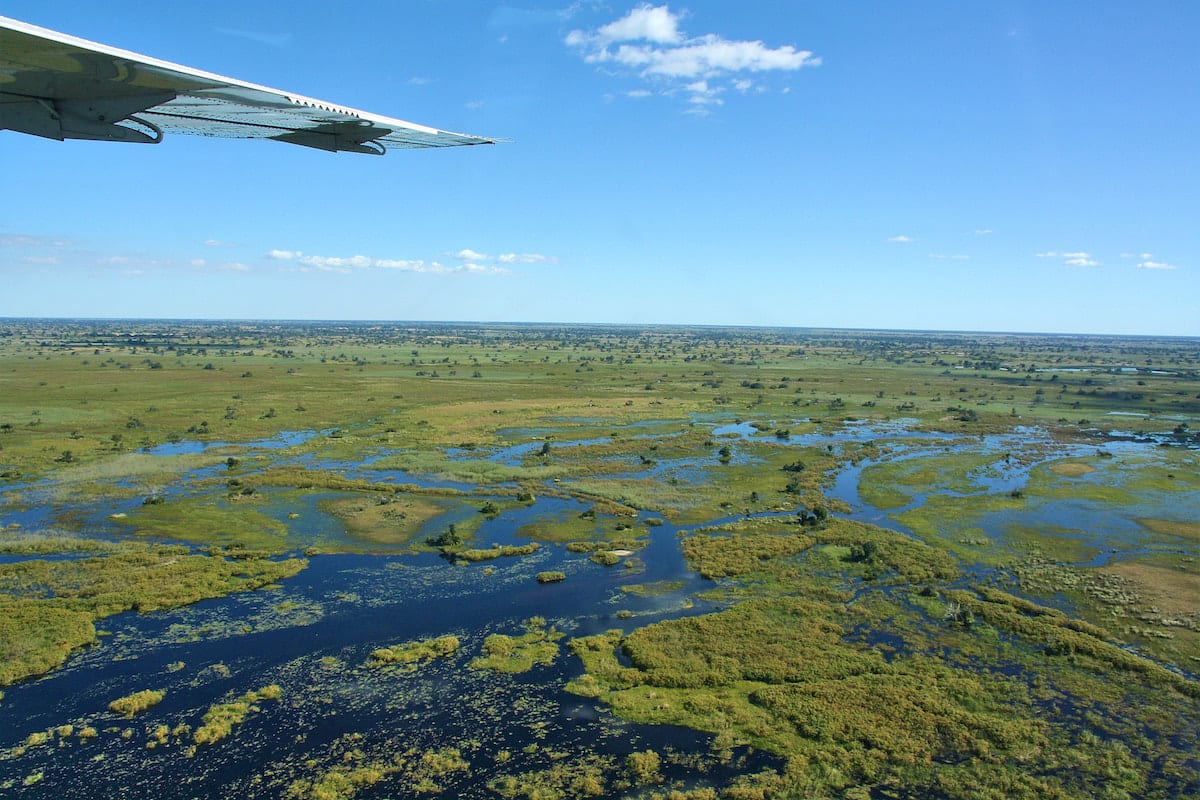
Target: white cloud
{"type": "Point", "coordinates": [336, 264]}
{"type": "Point", "coordinates": [952, 257]}
{"type": "Point", "coordinates": [234, 266]}
{"type": "Point", "coordinates": [702, 94]}
{"type": "Point", "coordinates": [473, 263]}
{"type": "Point", "coordinates": [1148, 264]}
{"type": "Point", "coordinates": [901, 239]}
{"type": "Point", "coordinates": [526, 258]}
{"type": "Point", "coordinates": [197, 262]}
{"type": "Point", "coordinates": [218, 243]}
{"type": "Point", "coordinates": [1072, 259]}
{"type": "Point", "coordinates": [45, 261]}
{"type": "Point", "coordinates": [470, 255]}
{"type": "Point", "coordinates": [405, 265]}
{"type": "Point", "coordinates": [984, 232]}
{"type": "Point", "coordinates": [648, 42]}
{"type": "Point", "coordinates": [644, 23]}
{"type": "Point", "coordinates": [485, 269]}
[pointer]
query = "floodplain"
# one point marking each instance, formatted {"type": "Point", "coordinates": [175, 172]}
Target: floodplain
{"type": "Point", "coordinates": [368, 560]}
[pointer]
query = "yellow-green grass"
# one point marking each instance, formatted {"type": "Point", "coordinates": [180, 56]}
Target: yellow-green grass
{"type": "Point", "coordinates": [1168, 527]}
{"type": "Point", "coordinates": [515, 654]}
{"type": "Point", "coordinates": [226, 521]}
{"type": "Point", "coordinates": [48, 608]}
{"type": "Point", "coordinates": [892, 484]}
{"type": "Point", "coordinates": [136, 703]}
{"type": "Point", "coordinates": [385, 520]}
{"type": "Point", "coordinates": [221, 718]}
{"type": "Point", "coordinates": [477, 554]}
{"type": "Point", "coordinates": [1150, 600]}
{"type": "Point", "coordinates": [416, 770]}
{"type": "Point", "coordinates": [952, 524]}
{"type": "Point", "coordinates": [776, 674]}
{"type": "Point", "coordinates": [410, 656]}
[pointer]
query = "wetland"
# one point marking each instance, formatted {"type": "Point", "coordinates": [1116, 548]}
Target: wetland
{"type": "Point", "coordinates": [369, 560]}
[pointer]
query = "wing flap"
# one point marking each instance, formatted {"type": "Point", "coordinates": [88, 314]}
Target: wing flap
{"type": "Point", "coordinates": [60, 86]}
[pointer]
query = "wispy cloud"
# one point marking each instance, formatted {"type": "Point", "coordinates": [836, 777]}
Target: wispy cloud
{"type": "Point", "coordinates": [27, 240]}
{"type": "Point", "coordinates": [950, 257]}
{"type": "Point", "coordinates": [50, 251]}
{"type": "Point", "coordinates": [471, 262]}
{"type": "Point", "coordinates": [1072, 259]}
{"type": "Point", "coordinates": [1148, 261]}
{"type": "Point", "coordinates": [272, 39]}
{"type": "Point", "coordinates": [525, 258]}
{"type": "Point", "coordinates": [901, 239]}
{"type": "Point", "coordinates": [649, 43]}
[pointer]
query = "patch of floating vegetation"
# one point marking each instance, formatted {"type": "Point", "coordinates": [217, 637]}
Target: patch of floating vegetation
{"type": "Point", "coordinates": [515, 654]}
{"type": "Point", "coordinates": [421, 771]}
{"type": "Point", "coordinates": [136, 703]}
{"type": "Point", "coordinates": [656, 589]}
{"type": "Point", "coordinates": [588, 776]}
{"type": "Point", "coordinates": [221, 718]}
{"type": "Point", "coordinates": [474, 555]}
{"type": "Point", "coordinates": [408, 657]}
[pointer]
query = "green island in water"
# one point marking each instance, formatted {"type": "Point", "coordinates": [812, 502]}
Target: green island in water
{"type": "Point", "coordinates": [384, 560]}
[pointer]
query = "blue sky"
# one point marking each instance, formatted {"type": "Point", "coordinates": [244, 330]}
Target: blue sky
{"type": "Point", "coordinates": [1009, 166]}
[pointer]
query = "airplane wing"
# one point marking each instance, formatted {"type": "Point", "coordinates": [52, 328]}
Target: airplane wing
{"type": "Point", "coordinates": [62, 87]}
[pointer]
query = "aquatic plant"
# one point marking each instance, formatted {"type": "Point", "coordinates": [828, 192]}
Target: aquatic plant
{"type": "Point", "coordinates": [136, 703]}
{"type": "Point", "coordinates": [412, 655]}
{"type": "Point", "coordinates": [515, 654]}
{"type": "Point", "coordinates": [220, 719]}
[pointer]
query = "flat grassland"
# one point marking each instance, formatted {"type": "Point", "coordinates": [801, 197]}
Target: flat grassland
{"type": "Point", "coordinates": [1005, 602]}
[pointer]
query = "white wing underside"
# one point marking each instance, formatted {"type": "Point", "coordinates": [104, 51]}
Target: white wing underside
{"type": "Point", "coordinates": [63, 87]}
